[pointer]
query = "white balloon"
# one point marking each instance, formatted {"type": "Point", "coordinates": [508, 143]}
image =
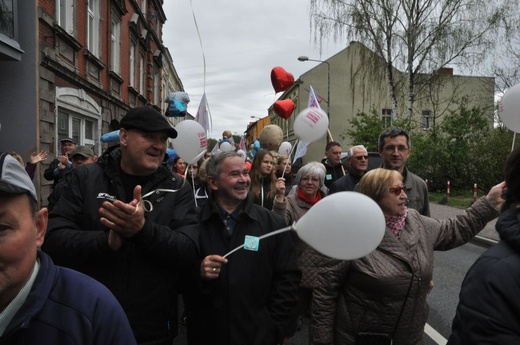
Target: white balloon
{"type": "Point", "coordinates": [285, 148]}
{"type": "Point", "coordinates": [311, 124]}
{"type": "Point", "coordinates": [324, 228]}
{"type": "Point", "coordinates": [226, 147]}
{"type": "Point", "coordinates": [242, 154]}
{"type": "Point", "coordinates": [191, 141]}
{"type": "Point", "coordinates": [509, 109]}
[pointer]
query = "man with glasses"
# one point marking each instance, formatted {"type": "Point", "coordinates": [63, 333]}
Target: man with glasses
{"type": "Point", "coordinates": [357, 158]}
{"type": "Point", "coordinates": [395, 147]}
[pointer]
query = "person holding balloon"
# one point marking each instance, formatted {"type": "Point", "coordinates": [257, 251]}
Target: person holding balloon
{"type": "Point", "coordinates": [284, 170]}
{"type": "Point", "coordinates": [382, 296]}
{"type": "Point", "coordinates": [246, 297]}
{"type": "Point", "coordinates": [263, 179]}
{"type": "Point", "coordinates": [309, 180]}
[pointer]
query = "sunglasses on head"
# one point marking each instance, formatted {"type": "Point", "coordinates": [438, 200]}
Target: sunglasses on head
{"type": "Point", "coordinates": [397, 190]}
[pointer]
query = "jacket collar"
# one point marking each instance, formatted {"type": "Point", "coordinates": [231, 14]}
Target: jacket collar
{"type": "Point", "coordinates": [211, 209]}
{"type": "Point", "coordinates": [508, 227]}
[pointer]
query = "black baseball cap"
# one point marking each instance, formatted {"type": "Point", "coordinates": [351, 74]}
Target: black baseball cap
{"type": "Point", "coordinates": [147, 119]}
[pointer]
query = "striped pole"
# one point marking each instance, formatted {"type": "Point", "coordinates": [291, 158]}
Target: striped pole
{"type": "Point", "coordinates": [475, 192]}
{"type": "Point", "coordinates": [449, 191]}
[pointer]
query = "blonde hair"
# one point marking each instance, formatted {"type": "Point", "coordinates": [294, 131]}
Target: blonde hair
{"type": "Point", "coordinates": [17, 157]}
{"type": "Point", "coordinates": [376, 182]}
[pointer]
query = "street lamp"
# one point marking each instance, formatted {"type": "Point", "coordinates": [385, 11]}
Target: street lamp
{"type": "Point", "coordinates": [306, 58]}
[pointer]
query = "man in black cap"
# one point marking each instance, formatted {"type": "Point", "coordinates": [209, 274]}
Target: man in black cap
{"type": "Point", "coordinates": [118, 220]}
{"type": "Point", "coordinates": [61, 164]}
{"type": "Point", "coordinates": [41, 303]}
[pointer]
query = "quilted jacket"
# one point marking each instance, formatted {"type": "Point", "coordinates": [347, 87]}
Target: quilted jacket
{"type": "Point", "coordinates": [291, 209]}
{"type": "Point", "coordinates": [368, 294]}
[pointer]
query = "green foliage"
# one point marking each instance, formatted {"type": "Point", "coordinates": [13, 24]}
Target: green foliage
{"type": "Point", "coordinates": [463, 148]}
{"type": "Point", "coordinates": [365, 130]}
{"type": "Point", "coordinates": [367, 127]}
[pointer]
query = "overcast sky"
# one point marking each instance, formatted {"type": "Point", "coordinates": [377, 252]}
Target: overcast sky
{"type": "Point", "coordinates": [242, 41]}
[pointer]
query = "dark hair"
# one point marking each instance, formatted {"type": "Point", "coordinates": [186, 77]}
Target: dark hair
{"type": "Point", "coordinates": [392, 132]}
{"type": "Point", "coordinates": [256, 175]}
{"type": "Point", "coordinates": [331, 144]}
{"type": "Point", "coordinates": [511, 176]}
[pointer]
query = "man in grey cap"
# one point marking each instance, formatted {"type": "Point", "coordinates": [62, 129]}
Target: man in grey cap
{"type": "Point", "coordinates": [81, 155]}
{"type": "Point", "coordinates": [62, 163]}
{"type": "Point", "coordinates": [41, 303]}
{"type": "Point", "coordinates": [118, 221]}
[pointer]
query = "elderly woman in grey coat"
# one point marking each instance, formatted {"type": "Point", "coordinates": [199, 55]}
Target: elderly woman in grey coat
{"type": "Point", "coordinates": [309, 181]}
{"type": "Point", "coordinates": [382, 296]}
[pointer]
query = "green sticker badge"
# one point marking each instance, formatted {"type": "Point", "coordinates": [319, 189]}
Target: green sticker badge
{"type": "Point", "coordinates": [251, 243]}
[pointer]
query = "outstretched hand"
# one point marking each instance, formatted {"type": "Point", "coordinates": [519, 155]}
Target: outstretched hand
{"type": "Point", "coordinates": [38, 157]}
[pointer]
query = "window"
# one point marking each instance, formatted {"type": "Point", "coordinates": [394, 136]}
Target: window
{"type": "Point", "coordinates": [142, 71]}
{"type": "Point", "coordinates": [7, 18]}
{"type": "Point", "coordinates": [386, 118]}
{"type": "Point", "coordinates": [10, 49]}
{"type": "Point", "coordinates": [132, 64]}
{"type": "Point", "coordinates": [143, 7]}
{"type": "Point", "coordinates": [426, 119]}
{"type": "Point", "coordinates": [65, 15]}
{"type": "Point", "coordinates": [115, 45]}
{"type": "Point", "coordinates": [156, 86]}
{"type": "Point", "coordinates": [81, 128]}
{"type": "Point", "coordinates": [93, 27]}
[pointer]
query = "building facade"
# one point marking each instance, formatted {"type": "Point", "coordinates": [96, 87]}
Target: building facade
{"type": "Point", "coordinates": [358, 84]}
{"type": "Point", "coordinates": [81, 65]}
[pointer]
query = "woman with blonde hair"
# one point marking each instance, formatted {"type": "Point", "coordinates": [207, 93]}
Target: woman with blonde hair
{"type": "Point", "coordinates": [382, 296]}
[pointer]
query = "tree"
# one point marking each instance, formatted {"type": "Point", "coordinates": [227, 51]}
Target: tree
{"type": "Point", "coordinates": [418, 36]}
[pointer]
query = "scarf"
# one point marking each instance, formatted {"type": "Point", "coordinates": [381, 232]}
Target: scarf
{"type": "Point", "coordinates": [396, 223]}
{"type": "Point", "coordinates": [308, 200]}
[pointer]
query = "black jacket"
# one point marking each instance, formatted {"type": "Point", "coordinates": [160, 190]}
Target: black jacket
{"type": "Point", "coordinates": [250, 302]}
{"type": "Point", "coordinates": [489, 307]}
{"type": "Point", "coordinates": [143, 274]}
{"type": "Point", "coordinates": [346, 183]}
{"type": "Point", "coordinates": [333, 173]}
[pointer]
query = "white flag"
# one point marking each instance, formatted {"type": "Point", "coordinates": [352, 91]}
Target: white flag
{"type": "Point", "coordinates": [203, 113]}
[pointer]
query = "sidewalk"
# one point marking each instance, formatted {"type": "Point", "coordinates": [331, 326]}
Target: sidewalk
{"type": "Point", "coordinates": [488, 235]}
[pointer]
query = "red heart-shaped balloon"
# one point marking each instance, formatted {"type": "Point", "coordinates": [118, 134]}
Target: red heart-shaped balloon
{"type": "Point", "coordinates": [284, 108]}
{"type": "Point", "coordinates": [281, 79]}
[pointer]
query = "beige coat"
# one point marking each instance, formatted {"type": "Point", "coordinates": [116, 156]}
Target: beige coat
{"type": "Point", "coordinates": [366, 295]}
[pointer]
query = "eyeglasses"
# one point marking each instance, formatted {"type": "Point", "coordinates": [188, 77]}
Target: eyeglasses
{"type": "Point", "coordinates": [392, 148]}
{"type": "Point", "coordinates": [359, 158]}
{"type": "Point", "coordinates": [397, 190]}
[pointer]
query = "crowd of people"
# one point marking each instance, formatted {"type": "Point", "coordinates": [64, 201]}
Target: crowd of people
{"type": "Point", "coordinates": [124, 234]}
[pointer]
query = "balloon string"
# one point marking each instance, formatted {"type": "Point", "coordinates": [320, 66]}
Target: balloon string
{"type": "Point", "coordinates": [288, 159]}
{"type": "Point", "coordinates": [200, 41]}
{"type": "Point", "coordinates": [262, 237]}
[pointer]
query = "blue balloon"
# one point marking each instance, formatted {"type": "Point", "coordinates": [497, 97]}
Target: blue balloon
{"type": "Point", "coordinates": [256, 145]}
{"type": "Point", "coordinates": [111, 137]}
{"type": "Point", "coordinates": [171, 155]}
{"type": "Point", "coordinates": [176, 109]}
